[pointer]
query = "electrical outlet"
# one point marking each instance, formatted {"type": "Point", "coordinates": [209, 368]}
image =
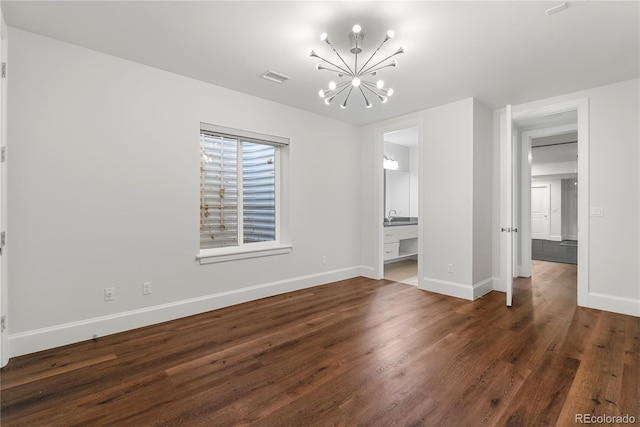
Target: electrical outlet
{"type": "Point", "coordinates": [146, 288]}
{"type": "Point", "coordinates": [324, 259]}
{"type": "Point", "coordinates": [449, 268]}
{"type": "Point", "coordinates": [109, 294]}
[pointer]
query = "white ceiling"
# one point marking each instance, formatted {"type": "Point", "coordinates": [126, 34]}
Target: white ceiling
{"type": "Point", "coordinates": [555, 154]}
{"type": "Point", "coordinates": [552, 140]}
{"type": "Point", "coordinates": [405, 137]}
{"type": "Point", "coordinates": [499, 52]}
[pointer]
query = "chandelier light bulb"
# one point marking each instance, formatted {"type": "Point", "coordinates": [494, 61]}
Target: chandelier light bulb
{"type": "Point", "coordinates": [356, 28]}
{"type": "Point", "coordinates": [356, 81]}
{"type": "Point", "coordinates": [344, 104]}
{"type": "Point", "coordinates": [324, 37]}
{"type": "Point", "coordinates": [380, 84]}
{"type": "Point", "coordinates": [390, 34]}
{"type": "Point", "coordinates": [332, 85]}
{"type": "Point", "coordinates": [384, 99]}
{"type": "Point", "coordinates": [321, 93]}
{"type": "Point", "coordinates": [311, 53]}
{"type": "Point", "coordinates": [390, 92]}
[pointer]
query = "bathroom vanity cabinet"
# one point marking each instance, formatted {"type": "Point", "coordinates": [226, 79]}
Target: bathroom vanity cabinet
{"type": "Point", "coordinates": [400, 241]}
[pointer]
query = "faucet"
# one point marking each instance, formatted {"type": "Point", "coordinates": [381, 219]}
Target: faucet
{"type": "Point", "coordinates": [390, 217]}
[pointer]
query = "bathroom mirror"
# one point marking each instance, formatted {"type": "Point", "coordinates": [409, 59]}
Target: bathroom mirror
{"type": "Point", "coordinates": [397, 193]}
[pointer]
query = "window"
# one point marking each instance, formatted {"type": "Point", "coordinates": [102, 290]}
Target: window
{"type": "Point", "coordinates": [240, 194]}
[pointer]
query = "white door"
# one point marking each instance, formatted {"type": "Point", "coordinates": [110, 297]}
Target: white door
{"type": "Point", "coordinates": [506, 206]}
{"type": "Point", "coordinates": [540, 200]}
{"type": "Point", "coordinates": [4, 348]}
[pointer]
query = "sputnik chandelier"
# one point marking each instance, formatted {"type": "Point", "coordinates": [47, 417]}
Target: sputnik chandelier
{"type": "Point", "coordinates": [357, 76]}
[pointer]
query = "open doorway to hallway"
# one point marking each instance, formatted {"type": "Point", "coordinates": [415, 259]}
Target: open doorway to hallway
{"type": "Point", "coordinates": [400, 214]}
{"type": "Point", "coordinates": [554, 198]}
{"type": "Point", "coordinates": [548, 208]}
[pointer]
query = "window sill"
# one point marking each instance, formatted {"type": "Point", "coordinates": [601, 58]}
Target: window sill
{"type": "Point", "coordinates": [211, 256]}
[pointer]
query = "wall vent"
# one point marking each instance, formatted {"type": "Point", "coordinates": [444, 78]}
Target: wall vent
{"type": "Point", "coordinates": [275, 76]}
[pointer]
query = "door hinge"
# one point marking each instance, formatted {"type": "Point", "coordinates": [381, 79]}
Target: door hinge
{"type": "Point", "coordinates": [4, 70]}
{"type": "Point", "coordinates": [3, 323]}
{"type": "Point", "coordinates": [3, 154]}
{"type": "Point", "coordinates": [3, 240]}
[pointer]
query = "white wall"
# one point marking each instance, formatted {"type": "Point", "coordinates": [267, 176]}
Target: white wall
{"type": "Point", "coordinates": [456, 144]}
{"type": "Point", "coordinates": [103, 191]}
{"type": "Point", "coordinates": [482, 197]}
{"type": "Point", "coordinates": [556, 168]}
{"type": "Point", "coordinates": [614, 180]}
{"type": "Point", "coordinates": [414, 184]}
{"type": "Point", "coordinates": [569, 209]}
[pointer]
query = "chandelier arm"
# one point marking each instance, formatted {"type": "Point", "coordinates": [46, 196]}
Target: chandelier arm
{"type": "Point", "coordinates": [344, 86]}
{"type": "Point", "coordinates": [380, 62]}
{"type": "Point", "coordinates": [344, 103]}
{"type": "Point", "coordinates": [339, 88]}
{"type": "Point", "coordinates": [375, 89]}
{"type": "Point", "coordinates": [341, 59]}
{"type": "Point", "coordinates": [338, 67]}
{"type": "Point", "coordinates": [366, 86]}
{"type": "Point", "coordinates": [365, 97]}
{"type": "Point", "coordinates": [371, 71]}
{"type": "Point", "coordinates": [339, 72]}
{"type": "Point", "coordinates": [371, 57]}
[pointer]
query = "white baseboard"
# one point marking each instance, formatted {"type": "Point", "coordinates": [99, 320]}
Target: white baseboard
{"type": "Point", "coordinates": [453, 289]}
{"type": "Point", "coordinates": [628, 306]}
{"type": "Point", "coordinates": [498, 285]}
{"type": "Point", "coordinates": [483, 287]}
{"type": "Point", "coordinates": [555, 238]}
{"type": "Point", "coordinates": [368, 272]}
{"type": "Point", "coordinates": [69, 333]}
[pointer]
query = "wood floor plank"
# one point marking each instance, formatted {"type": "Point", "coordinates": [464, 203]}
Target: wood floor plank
{"type": "Point", "coordinates": [355, 352]}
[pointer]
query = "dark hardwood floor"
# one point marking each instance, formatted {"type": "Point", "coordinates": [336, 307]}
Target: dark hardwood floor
{"type": "Point", "coordinates": [356, 352]}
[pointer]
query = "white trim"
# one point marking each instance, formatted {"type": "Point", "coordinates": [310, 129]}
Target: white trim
{"type": "Point", "coordinates": [452, 289]}
{"type": "Point", "coordinates": [4, 283]}
{"type": "Point", "coordinates": [497, 285]}
{"type": "Point", "coordinates": [582, 107]}
{"type": "Point", "coordinates": [243, 134]}
{"type": "Point", "coordinates": [378, 154]}
{"type": "Point", "coordinates": [69, 333]}
{"type": "Point", "coordinates": [368, 272]}
{"type": "Point", "coordinates": [628, 306]}
{"type": "Point", "coordinates": [459, 290]}
{"type": "Point", "coordinates": [524, 269]}
{"type": "Point", "coordinates": [231, 253]}
{"type": "Point", "coordinates": [482, 287]}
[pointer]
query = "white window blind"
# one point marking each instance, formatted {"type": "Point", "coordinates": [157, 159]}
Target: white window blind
{"type": "Point", "coordinates": [238, 188]}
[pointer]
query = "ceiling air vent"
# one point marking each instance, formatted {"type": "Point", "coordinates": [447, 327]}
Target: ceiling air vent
{"type": "Point", "coordinates": [274, 76]}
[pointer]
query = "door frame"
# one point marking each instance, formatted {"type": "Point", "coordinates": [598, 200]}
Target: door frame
{"type": "Point", "coordinates": [524, 268]}
{"type": "Point", "coordinates": [4, 293]}
{"type": "Point", "coordinates": [580, 105]}
{"type": "Point", "coordinates": [379, 183]}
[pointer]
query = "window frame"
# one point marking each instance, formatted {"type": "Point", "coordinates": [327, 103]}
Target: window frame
{"type": "Point", "coordinates": [280, 244]}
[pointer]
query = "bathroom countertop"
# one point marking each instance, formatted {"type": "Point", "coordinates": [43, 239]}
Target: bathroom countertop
{"type": "Point", "coordinates": [397, 221]}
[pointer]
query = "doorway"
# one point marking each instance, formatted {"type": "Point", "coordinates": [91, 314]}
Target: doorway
{"type": "Point", "coordinates": [400, 205]}
{"type": "Point", "coordinates": [548, 187]}
{"type": "Point", "coordinates": [522, 126]}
